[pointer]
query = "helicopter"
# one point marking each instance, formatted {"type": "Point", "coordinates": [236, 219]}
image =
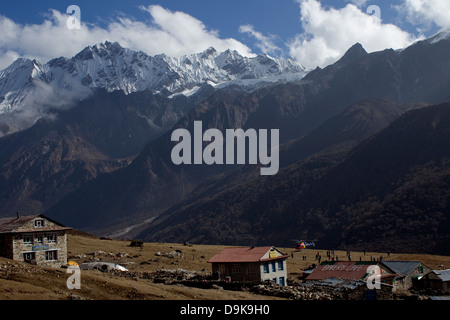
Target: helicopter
{"type": "Point", "coordinates": [302, 244]}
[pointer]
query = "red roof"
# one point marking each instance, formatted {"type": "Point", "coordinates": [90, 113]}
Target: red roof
{"type": "Point", "coordinates": [340, 270]}
{"type": "Point", "coordinates": [245, 254]}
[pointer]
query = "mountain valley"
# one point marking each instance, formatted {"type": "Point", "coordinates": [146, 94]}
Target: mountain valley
{"type": "Point", "coordinates": [364, 154]}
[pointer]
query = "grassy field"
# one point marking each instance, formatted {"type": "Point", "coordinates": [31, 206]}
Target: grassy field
{"type": "Point", "coordinates": [21, 281]}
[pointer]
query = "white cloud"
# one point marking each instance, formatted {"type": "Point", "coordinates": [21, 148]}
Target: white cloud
{"type": "Point", "coordinates": [359, 3]}
{"type": "Point", "coordinates": [329, 32]}
{"type": "Point", "coordinates": [426, 12]}
{"type": "Point", "coordinates": [264, 43]}
{"type": "Point", "coordinates": [187, 34]}
{"type": "Point", "coordinates": [6, 58]}
{"type": "Point", "coordinates": [172, 33]}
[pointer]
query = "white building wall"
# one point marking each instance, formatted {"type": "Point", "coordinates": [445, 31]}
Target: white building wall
{"type": "Point", "coordinates": [275, 271]}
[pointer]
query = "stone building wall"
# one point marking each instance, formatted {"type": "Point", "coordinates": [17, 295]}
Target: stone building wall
{"type": "Point", "coordinates": [410, 280]}
{"type": "Point", "coordinates": [45, 252]}
{"type": "Point", "coordinates": [38, 241]}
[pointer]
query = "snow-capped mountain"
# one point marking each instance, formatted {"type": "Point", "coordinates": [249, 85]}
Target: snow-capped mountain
{"type": "Point", "coordinates": [17, 80]}
{"type": "Point", "coordinates": [112, 67]}
{"type": "Point", "coordinates": [443, 34]}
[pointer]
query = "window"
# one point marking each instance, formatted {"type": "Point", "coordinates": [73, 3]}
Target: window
{"type": "Point", "coordinates": [39, 223]}
{"type": "Point", "coordinates": [51, 238]}
{"type": "Point", "coordinates": [27, 240]}
{"type": "Point", "coordinates": [51, 255]}
{"type": "Point", "coordinates": [39, 239]}
{"type": "Point", "coordinates": [235, 269]}
{"type": "Point", "coordinates": [281, 281]}
{"type": "Point", "coordinates": [27, 256]}
{"type": "Point", "coordinates": [273, 266]}
{"type": "Point", "coordinates": [266, 268]}
{"type": "Point", "coordinates": [420, 269]}
{"type": "Point", "coordinates": [280, 265]}
{"type": "Point", "coordinates": [274, 280]}
{"type": "Point", "coordinates": [252, 269]}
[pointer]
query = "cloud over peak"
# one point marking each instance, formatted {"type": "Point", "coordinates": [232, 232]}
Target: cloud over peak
{"type": "Point", "coordinates": [329, 32]}
{"type": "Point", "coordinates": [426, 12]}
{"type": "Point", "coordinates": [325, 35]}
{"type": "Point", "coordinates": [172, 33]}
{"type": "Point", "coordinates": [264, 43]}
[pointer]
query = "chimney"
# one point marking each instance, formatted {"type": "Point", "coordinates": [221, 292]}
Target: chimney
{"type": "Point", "coordinates": [18, 215]}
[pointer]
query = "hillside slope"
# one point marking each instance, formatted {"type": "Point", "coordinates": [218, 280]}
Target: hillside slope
{"type": "Point", "coordinates": [389, 192]}
{"type": "Point", "coordinates": [67, 148]}
{"type": "Point", "coordinates": [152, 183]}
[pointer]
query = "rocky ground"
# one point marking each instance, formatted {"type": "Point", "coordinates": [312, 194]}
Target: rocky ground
{"type": "Point", "coordinates": [161, 271]}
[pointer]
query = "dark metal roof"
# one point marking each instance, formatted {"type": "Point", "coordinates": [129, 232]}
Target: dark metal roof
{"type": "Point", "coordinates": [12, 224]}
{"type": "Point", "coordinates": [444, 275]}
{"type": "Point", "coordinates": [403, 268]}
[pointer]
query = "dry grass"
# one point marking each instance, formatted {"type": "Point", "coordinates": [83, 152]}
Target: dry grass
{"type": "Point", "coordinates": [26, 282]}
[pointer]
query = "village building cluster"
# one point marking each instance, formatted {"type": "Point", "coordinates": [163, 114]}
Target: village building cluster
{"type": "Point", "coordinates": [368, 280]}
{"type": "Point", "coordinates": [39, 240]}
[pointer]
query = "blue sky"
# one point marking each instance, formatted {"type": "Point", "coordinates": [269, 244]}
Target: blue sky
{"type": "Point", "coordinates": [279, 17]}
{"type": "Point", "coordinates": [36, 29]}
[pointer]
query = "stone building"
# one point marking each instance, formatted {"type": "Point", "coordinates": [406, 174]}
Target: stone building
{"type": "Point", "coordinates": [407, 272]}
{"type": "Point", "coordinates": [255, 264]}
{"type": "Point", "coordinates": [437, 280]}
{"type": "Point", "coordinates": [36, 239]}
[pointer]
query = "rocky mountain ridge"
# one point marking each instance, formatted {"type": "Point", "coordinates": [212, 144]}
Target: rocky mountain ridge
{"type": "Point", "coordinates": [109, 66]}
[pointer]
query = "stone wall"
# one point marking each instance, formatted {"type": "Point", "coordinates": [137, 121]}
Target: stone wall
{"type": "Point", "coordinates": [39, 249]}
{"type": "Point", "coordinates": [322, 291]}
{"type": "Point", "coordinates": [409, 281]}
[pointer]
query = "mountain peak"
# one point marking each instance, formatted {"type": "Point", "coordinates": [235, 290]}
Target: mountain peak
{"type": "Point", "coordinates": [101, 49]}
{"type": "Point", "coordinates": [355, 52]}
{"type": "Point", "coordinates": [25, 67]}
{"type": "Point", "coordinates": [443, 34]}
{"type": "Point", "coordinates": [110, 66]}
{"type": "Point", "coordinates": [109, 45]}
{"type": "Point", "coordinates": [113, 47]}
{"type": "Point", "coordinates": [20, 63]}
{"type": "Point", "coordinates": [211, 51]}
